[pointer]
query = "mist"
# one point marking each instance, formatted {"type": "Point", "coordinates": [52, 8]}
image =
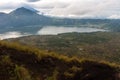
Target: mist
{"type": "Point", "coordinates": [68, 8]}
{"type": "Point", "coordinates": [49, 30]}
{"type": "Point", "coordinates": [53, 30]}
{"type": "Point", "coordinates": [13, 34]}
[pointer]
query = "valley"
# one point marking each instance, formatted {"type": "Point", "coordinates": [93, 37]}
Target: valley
{"type": "Point", "coordinates": [35, 46]}
{"type": "Point", "coordinates": [98, 46]}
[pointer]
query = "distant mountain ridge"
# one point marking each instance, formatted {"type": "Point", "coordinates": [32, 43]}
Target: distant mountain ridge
{"type": "Point", "coordinates": [23, 11]}
{"type": "Point", "coordinates": [22, 17]}
{"type": "Point", "coordinates": [2, 14]}
{"type": "Point", "coordinates": [29, 17]}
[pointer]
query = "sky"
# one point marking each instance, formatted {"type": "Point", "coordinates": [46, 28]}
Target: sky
{"type": "Point", "coordinates": [68, 8]}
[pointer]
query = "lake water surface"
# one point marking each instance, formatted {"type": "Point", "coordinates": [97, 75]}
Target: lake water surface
{"type": "Point", "coordinates": [47, 30]}
{"type": "Point", "coordinates": [53, 30]}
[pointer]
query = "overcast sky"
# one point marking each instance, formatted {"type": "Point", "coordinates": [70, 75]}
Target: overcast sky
{"type": "Point", "coordinates": [68, 8]}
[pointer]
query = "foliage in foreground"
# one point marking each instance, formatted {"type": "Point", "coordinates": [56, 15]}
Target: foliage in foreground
{"type": "Point", "coordinates": [22, 63]}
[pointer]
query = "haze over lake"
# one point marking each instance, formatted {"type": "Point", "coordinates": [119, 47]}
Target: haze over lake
{"type": "Point", "coordinates": [54, 30]}
{"type": "Point", "coordinates": [46, 30]}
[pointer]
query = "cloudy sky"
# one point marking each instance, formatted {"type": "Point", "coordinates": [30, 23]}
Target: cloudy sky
{"type": "Point", "coordinates": [68, 8]}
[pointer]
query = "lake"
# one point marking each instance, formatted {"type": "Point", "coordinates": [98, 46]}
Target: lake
{"type": "Point", "coordinates": [46, 30]}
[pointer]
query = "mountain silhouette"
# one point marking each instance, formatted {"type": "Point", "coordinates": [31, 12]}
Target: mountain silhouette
{"type": "Point", "coordinates": [23, 11]}
{"type": "Point", "coordinates": [27, 16]}
{"type": "Point", "coordinates": [21, 17]}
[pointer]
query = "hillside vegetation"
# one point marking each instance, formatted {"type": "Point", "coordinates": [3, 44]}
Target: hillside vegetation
{"type": "Point", "coordinates": [22, 63]}
{"type": "Point", "coordinates": [97, 46]}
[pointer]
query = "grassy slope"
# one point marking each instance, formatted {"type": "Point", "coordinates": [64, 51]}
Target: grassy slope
{"type": "Point", "coordinates": [97, 46]}
{"type": "Point", "coordinates": [22, 63]}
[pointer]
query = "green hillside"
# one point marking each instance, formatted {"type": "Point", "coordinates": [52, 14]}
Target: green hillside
{"type": "Point", "coordinates": [98, 46]}
{"type": "Point", "coordinates": [27, 63]}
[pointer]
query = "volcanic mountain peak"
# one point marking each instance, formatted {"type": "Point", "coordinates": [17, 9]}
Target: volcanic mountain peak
{"type": "Point", "coordinates": [23, 11]}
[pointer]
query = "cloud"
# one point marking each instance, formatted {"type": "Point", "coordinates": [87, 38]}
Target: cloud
{"type": "Point", "coordinates": [13, 34]}
{"type": "Point", "coordinates": [7, 6]}
{"type": "Point", "coordinates": [69, 8]}
{"type": "Point", "coordinates": [32, 0]}
{"type": "Point", "coordinates": [53, 30]}
{"type": "Point", "coordinates": [115, 16]}
{"type": "Point", "coordinates": [79, 8]}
